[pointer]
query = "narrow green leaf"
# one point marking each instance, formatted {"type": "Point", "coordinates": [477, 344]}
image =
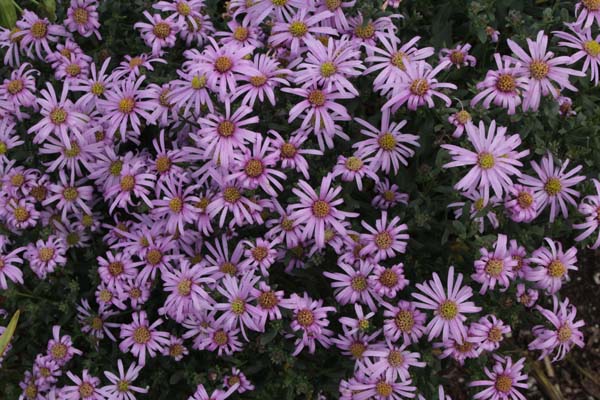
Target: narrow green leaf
{"type": "Point", "coordinates": [9, 332]}
{"type": "Point", "coordinates": [8, 14]}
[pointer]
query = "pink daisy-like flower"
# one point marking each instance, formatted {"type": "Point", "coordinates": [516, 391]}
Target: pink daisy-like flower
{"type": "Point", "coordinates": [244, 33]}
{"type": "Point", "coordinates": [553, 185]}
{"type": "Point", "coordinates": [238, 310]}
{"type": "Point", "coordinates": [354, 168]}
{"type": "Point", "coordinates": [590, 208]}
{"type": "Point", "coordinates": [123, 107]}
{"type": "Point", "coordinates": [121, 387]}
{"type": "Point", "coordinates": [565, 107]}
{"type": "Point", "coordinates": [316, 211]}
{"type": "Point", "coordinates": [366, 32]}
{"type": "Point", "coordinates": [392, 362]}
{"type": "Point", "coordinates": [587, 46]}
{"type": "Point", "coordinates": [478, 203]}
{"type": "Point", "coordinates": [290, 152]}
{"type": "Point", "coordinates": [388, 195]}
{"type": "Point", "coordinates": [448, 305]}
{"type": "Point", "coordinates": [353, 284]}
{"type": "Point", "coordinates": [417, 87]}
{"type": "Point", "coordinates": [21, 213]}
{"type": "Point", "coordinates": [459, 349]}
{"type": "Point", "coordinates": [310, 318]}
{"type": "Point", "coordinates": [268, 302]}
{"type": "Point", "coordinates": [520, 204]}
{"type": "Point", "coordinates": [319, 108]}
{"type": "Point", "coordinates": [494, 160]}
{"type": "Point", "coordinates": [542, 68]}
{"type": "Point", "coordinates": [230, 199]}
{"type": "Point", "coordinates": [270, 76]}
{"type": "Point", "coordinates": [45, 256]}
{"type": "Point", "coordinates": [502, 86]}
{"type": "Point", "coordinates": [86, 388]}
{"type": "Point", "coordinates": [8, 266]}
{"type": "Point", "coordinates": [261, 9]}
{"type": "Point", "coordinates": [494, 267]}
{"type": "Point", "coordinates": [460, 119]}
{"type": "Point", "coordinates": [71, 195]}
{"type": "Point", "coordinates": [183, 11]}
{"type": "Point", "coordinates": [564, 333]}
{"type": "Point", "coordinates": [37, 33]}
{"type": "Point", "coordinates": [59, 116]}
{"type": "Point", "coordinates": [338, 19]}
{"type": "Point", "coordinates": [553, 266]}
{"type": "Point", "coordinates": [386, 239]}
{"type": "Point", "coordinates": [217, 337]}
{"type": "Point", "coordinates": [586, 12]}
{"type": "Point", "coordinates": [133, 66]}
{"type": "Point", "coordinates": [489, 332]}
{"type": "Point", "coordinates": [504, 380]}
{"type": "Point", "coordinates": [82, 17]}
{"type": "Point", "coordinates": [175, 349]}
{"type": "Point", "coordinates": [60, 348]}
{"type": "Point", "coordinates": [382, 389]}
{"type": "Point", "coordinates": [190, 93]}
{"type": "Point", "coordinates": [132, 182]}
{"type": "Point", "coordinates": [158, 32]}
{"type": "Point", "coordinates": [46, 371]}
{"type": "Point", "coordinates": [116, 269]}
{"type": "Point", "coordinates": [388, 145]}
{"type": "Point", "coordinates": [10, 41]}
{"type": "Point", "coordinates": [403, 320]}
{"type": "Point", "coordinates": [140, 337]}
{"type": "Point", "coordinates": [185, 286]}
{"type": "Point", "coordinates": [220, 258]}
{"type": "Point", "coordinates": [260, 255]}
{"type": "Point", "coordinates": [20, 89]}
{"type": "Point", "coordinates": [519, 254]}
{"type": "Point", "coordinates": [525, 296]}
{"type": "Point", "coordinates": [458, 56]}
{"type": "Point", "coordinates": [387, 282]}
{"type": "Point", "coordinates": [294, 32]}
{"type": "Point", "coordinates": [178, 205]}
{"type": "Point", "coordinates": [238, 378]}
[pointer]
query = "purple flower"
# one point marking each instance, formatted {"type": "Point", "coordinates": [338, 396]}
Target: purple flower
{"type": "Point", "coordinates": [237, 310]}
{"type": "Point", "coordinates": [553, 266]}
{"type": "Point", "coordinates": [37, 33]}
{"type": "Point", "coordinates": [587, 46]}
{"type": "Point", "coordinates": [353, 284]}
{"type": "Point", "coordinates": [270, 76]}
{"type": "Point", "coordinates": [590, 208]}
{"type": "Point", "coordinates": [386, 240]}
{"type": "Point", "coordinates": [504, 380]}
{"type": "Point", "coordinates": [495, 267]}
{"type": "Point", "coordinates": [121, 387]}
{"type": "Point", "coordinates": [86, 388]}
{"type": "Point", "coordinates": [82, 17]}
{"type": "Point", "coordinates": [140, 337]}
{"type": "Point", "coordinates": [299, 28]}
{"type": "Point", "coordinates": [403, 320]}
{"type": "Point", "coordinates": [489, 332]}
{"type": "Point", "coordinates": [458, 56]}
{"type": "Point", "coordinates": [586, 12]}
{"type": "Point", "coordinates": [60, 348]}
{"type": "Point", "coordinates": [158, 33]}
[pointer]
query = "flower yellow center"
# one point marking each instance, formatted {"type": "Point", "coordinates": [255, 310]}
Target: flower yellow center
{"type": "Point", "coordinates": [395, 358]}
{"type": "Point", "coordinates": [228, 268]}
{"type": "Point", "coordinates": [357, 349]}
{"type": "Point", "coordinates": [184, 288]}
{"type": "Point", "coordinates": [556, 269]}
{"type": "Point", "coordinates": [115, 268]}
{"type": "Point", "coordinates": [267, 300]}
{"type": "Point", "coordinates": [503, 383]}
{"type": "Point", "coordinates": [288, 150]}
{"type": "Point", "coordinates": [305, 317]}
{"type": "Point", "coordinates": [386, 141]}
{"type": "Point", "coordinates": [15, 86]}
{"type": "Point", "coordinates": [183, 9]}
{"type": "Point", "coordinates": [258, 80]}
{"type": "Point", "coordinates": [116, 167]}
{"type": "Point", "coordinates": [240, 33]}
{"type": "Point", "coordinates": [383, 240]}
{"type": "Point", "coordinates": [364, 324]}
{"type": "Point", "coordinates": [259, 253]}
{"type": "Point", "coordinates": [494, 267]}
{"type": "Point", "coordinates": [321, 209]}
{"type": "Point", "coordinates": [223, 64]}
{"type": "Point", "coordinates": [176, 350]}
{"type": "Point", "coordinates": [328, 69]}
{"type": "Point", "coordinates": [538, 69]}
{"type": "Point", "coordinates": [388, 278]}
{"type": "Point", "coordinates": [506, 83]}
{"type": "Point", "coordinates": [39, 29]}
{"type": "Point", "coordinates": [592, 5]}
{"type": "Point", "coordinates": [126, 105]}
{"type": "Point", "coordinates": [176, 205]}
{"type": "Point", "coordinates": [45, 372]}
{"type": "Point", "coordinates": [226, 128]}
{"type": "Point", "coordinates": [70, 194]}
{"type": "Point", "coordinates": [358, 283]}
{"type": "Point", "coordinates": [254, 168]}
{"type": "Point", "coordinates": [333, 5]}
{"type": "Point", "coordinates": [58, 116]}
{"type": "Point", "coordinates": [238, 306]}
{"type": "Point", "coordinates": [73, 69]}
{"type": "Point", "coordinates": [86, 389]}
{"type": "Point", "coordinates": [154, 256]}
{"type": "Point", "coordinates": [486, 160]}
{"type": "Point", "coordinates": [287, 224]}
{"type": "Point", "coordinates": [17, 180]}
{"type": "Point", "coordinates": [404, 321]}
{"type": "Point", "coordinates": [198, 82]}
{"type": "Point", "coordinates": [73, 151]}
{"type": "Point", "coordinates": [388, 195]}
{"type": "Point", "coordinates": [141, 335]}
{"type": "Point", "coordinates": [99, 136]}
{"type": "Point", "coordinates": [127, 183]}
{"type": "Point", "coordinates": [162, 164]}
{"type": "Point", "coordinates": [316, 98]}
{"type": "Point", "coordinates": [384, 389]}
{"type": "Point", "coordinates": [448, 310]}
{"type": "Point", "coordinates": [279, 3]}
{"type": "Point", "coordinates": [457, 57]}
{"type": "Point", "coordinates": [162, 30]}
{"type": "Point", "coordinates": [365, 31]}
{"type": "Point", "coordinates": [397, 60]}
{"type": "Point", "coordinates": [31, 391]}
{"type": "Point", "coordinates": [592, 48]}
{"type": "Point", "coordinates": [419, 87]}
{"type": "Point", "coordinates": [524, 199]}
{"type": "Point", "coordinates": [464, 347]}
{"type": "Point", "coordinates": [80, 15]}
{"type": "Point", "coordinates": [46, 253]}
{"type": "Point", "coordinates": [21, 214]}
{"type": "Point", "coordinates": [553, 186]}
{"type": "Point", "coordinates": [495, 334]}
{"type": "Point", "coordinates": [564, 333]}
{"type": "Point", "coordinates": [135, 293]}
{"type": "Point", "coordinates": [123, 386]}
{"type": "Point", "coordinates": [231, 194]}
{"type": "Point", "coordinates": [163, 98]}
{"type": "Point", "coordinates": [463, 117]}
{"type": "Point", "coordinates": [220, 338]}
{"type": "Point", "coordinates": [105, 295]}
{"type": "Point", "coordinates": [354, 163]}
{"type": "Point", "coordinates": [58, 351]}
{"type": "Point", "coordinates": [298, 28]}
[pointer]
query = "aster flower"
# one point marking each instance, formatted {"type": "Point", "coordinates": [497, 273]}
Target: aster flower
{"type": "Point", "coordinates": [133, 66]}
{"type": "Point", "coordinates": [59, 116]}
{"type": "Point", "coordinates": [290, 152]}
{"type": "Point", "coordinates": [366, 32]}
{"type": "Point", "coordinates": [388, 195]}
{"type": "Point", "coordinates": [183, 11]}
{"type": "Point", "coordinates": [8, 266]}
{"type": "Point", "coordinates": [82, 17]}
{"type": "Point", "coordinates": [37, 33]}
{"type": "Point", "coordinates": [519, 254]}
{"type": "Point", "coordinates": [244, 33]}
{"type": "Point", "coordinates": [230, 199]}
{"type": "Point", "coordinates": [86, 388]}
{"type": "Point", "coordinates": [403, 320]}
{"type": "Point", "coordinates": [353, 284]}
{"type": "Point", "coordinates": [355, 345]}
{"type": "Point", "coordinates": [449, 305]}
{"type": "Point", "coordinates": [8, 139]}
{"type": "Point", "coordinates": [388, 145]}
{"type": "Point", "coordinates": [261, 9]}
{"type": "Point", "coordinates": [494, 267]}
{"type": "Point", "coordinates": [140, 337]}
{"type": "Point", "coordinates": [458, 56]}
{"type": "Point", "coordinates": [176, 350]}
{"type": "Point", "coordinates": [20, 89]}
{"type": "Point", "coordinates": [60, 348]}
{"type": "Point", "coordinates": [478, 203]}
{"type": "Point", "coordinates": [565, 106]}
{"type": "Point", "coordinates": [586, 12]}
{"type": "Point", "coordinates": [382, 389]}
{"type": "Point", "coordinates": [177, 206]}
{"type": "Point", "coordinates": [520, 204]}
{"type": "Point", "coordinates": [386, 240]}
{"type": "Point", "coordinates": [190, 93]}
{"type": "Point", "coordinates": [123, 107]}
{"type": "Point", "coordinates": [494, 160]}
{"type": "Point", "coordinates": [460, 119]}
{"type": "Point", "coordinates": [96, 323]}
{"type": "Point", "coordinates": [502, 86]}
{"type": "Point", "coordinates": [70, 195]}
{"type": "Point", "coordinates": [45, 256]}
{"type": "Point", "coordinates": [268, 303]}
{"type": "Point", "coordinates": [270, 76]}
{"type": "Point", "coordinates": [542, 69]}
{"type": "Point", "coordinates": [11, 41]}
{"type": "Point", "coordinates": [295, 31]}
{"type": "Point", "coordinates": [459, 348]}
{"type": "Point", "coordinates": [587, 46]}
{"type": "Point", "coordinates": [392, 362]}
{"type": "Point", "coordinates": [553, 185]}
{"type": "Point", "coordinates": [158, 32]}
{"type": "Point", "coordinates": [238, 378]}
{"type": "Point", "coordinates": [354, 168]}
{"type": "Point", "coordinates": [417, 87]}
{"type": "Point", "coordinates": [46, 371]}
{"type": "Point", "coordinates": [132, 182]}
{"type": "Point", "coordinates": [310, 318]}
{"type": "Point", "coordinates": [387, 282]}
{"type": "Point", "coordinates": [220, 339]}
{"type": "Point", "coordinates": [504, 380]}
{"type": "Point", "coordinates": [319, 108]}
{"type": "Point", "coordinates": [590, 208]}
{"type": "Point", "coordinates": [553, 266]}
{"type": "Point", "coordinates": [489, 332]}
{"type": "Point", "coordinates": [237, 310]}
{"type": "Point", "coordinates": [260, 255]}
{"type": "Point", "coordinates": [121, 387]}
{"type": "Point", "coordinates": [316, 211]}
{"type": "Point", "coordinates": [198, 29]}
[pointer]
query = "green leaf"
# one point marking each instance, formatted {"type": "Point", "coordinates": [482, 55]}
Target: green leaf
{"type": "Point", "coordinates": [49, 7]}
{"type": "Point", "coordinates": [8, 13]}
{"type": "Point", "coordinates": [9, 332]}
